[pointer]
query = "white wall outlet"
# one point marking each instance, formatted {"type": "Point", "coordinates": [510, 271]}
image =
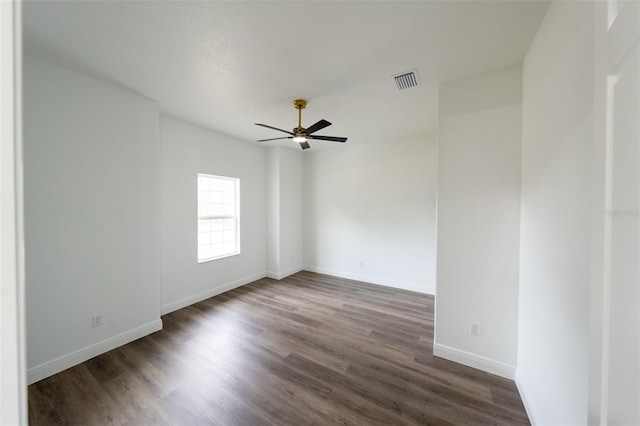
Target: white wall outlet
{"type": "Point", "coordinates": [362, 264]}
{"type": "Point", "coordinates": [96, 321]}
{"type": "Point", "coordinates": [474, 329]}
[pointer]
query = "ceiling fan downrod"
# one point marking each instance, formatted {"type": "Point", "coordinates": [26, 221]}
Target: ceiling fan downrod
{"type": "Point", "coordinates": [300, 104]}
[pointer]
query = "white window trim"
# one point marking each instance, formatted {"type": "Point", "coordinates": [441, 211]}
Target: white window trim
{"type": "Point", "coordinates": [236, 182]}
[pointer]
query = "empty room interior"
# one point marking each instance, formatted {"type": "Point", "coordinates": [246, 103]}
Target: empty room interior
{"type": "Point", "coordinates": [305, 212]}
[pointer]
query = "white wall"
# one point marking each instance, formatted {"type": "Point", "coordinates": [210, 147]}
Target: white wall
{"type": "Point", "coordinates": [556, 216]}
{"type": "Point", "coordinates": [370, 213]}
{"type": "Point", "coordinates": [273, 212]}
{"type": "Point", "coordinates": [478, 220]}
{"type": "Point", "coordinates": [284, 212]}
{"type": "Point", "coordinates": [186, 150]}
{"type": "Point", "coordinates": [291, 211]}
{"type": "Point", "coordinates": [91, 153]}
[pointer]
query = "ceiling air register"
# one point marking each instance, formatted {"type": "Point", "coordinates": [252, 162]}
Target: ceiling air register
{"type": "Point", "coordinates": [406, 79]}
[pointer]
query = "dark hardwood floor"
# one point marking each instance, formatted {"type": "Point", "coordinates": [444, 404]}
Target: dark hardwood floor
{"type": "Point", "coordinates": [310, 349]}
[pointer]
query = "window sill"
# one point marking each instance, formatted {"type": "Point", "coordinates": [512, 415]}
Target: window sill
{"type": "Point", "coordinates": [209, 259]}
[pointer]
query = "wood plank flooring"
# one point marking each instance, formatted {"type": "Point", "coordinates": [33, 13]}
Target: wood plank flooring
{"type": "Point", "coordinates": [307, 350]}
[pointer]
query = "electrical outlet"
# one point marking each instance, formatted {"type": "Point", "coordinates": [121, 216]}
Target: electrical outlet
{"type": "Point", "coordinates": [474, 329]}
{"type": "Point", "coordinates": [96, 321]}
{"type": "Point", "coordinates": [362, 264]}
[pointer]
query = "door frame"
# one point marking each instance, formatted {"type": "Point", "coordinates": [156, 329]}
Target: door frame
{"type": "Point", "coordinates": [617, 42]}
{"type": "Point", "coordinates": [13, 388]}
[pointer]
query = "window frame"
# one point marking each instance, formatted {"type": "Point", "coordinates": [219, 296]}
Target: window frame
{"type": "Point", "coordinates": [213, 217]}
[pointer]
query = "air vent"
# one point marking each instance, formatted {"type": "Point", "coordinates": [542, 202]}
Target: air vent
{"type": "Point", "coordinates": [407, 79]}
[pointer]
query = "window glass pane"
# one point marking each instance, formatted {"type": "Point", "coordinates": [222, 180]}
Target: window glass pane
{"type": "Point", "coordinates": [203, 183]}
{"type": "Point", "coordinates": [215, 210]}
{"type": "Point", "coordinates": [217, 224]}
{"type": "Point", "coordinates": [228, 210]}
{"type": "Point", "coordinates": [204, 252]}
{"type": "Point", "coordinates": [204, 238]}
{"type": "Point", "coordinates": [216, 185]}
{"type": "Point", "coordinates": [204, 225]}
{"type": "Point", "coordinates": [216, 237]}
{"type": "Point", "coordinates": [217, 249]}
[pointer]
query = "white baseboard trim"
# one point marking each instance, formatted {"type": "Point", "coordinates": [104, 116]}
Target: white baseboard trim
{"type": "Point", "coordinates": [284, 274]}
{"type": "Point", "coordinates": [190, 300]}
{"type": "Point", "coordinates": [419, 288]}
{"type": "Point", "coordinates": [525, 401]}
{"type": "Point", "coordinates": [57, 365]}
{"type": "Point", "coordinates": [476, 361]}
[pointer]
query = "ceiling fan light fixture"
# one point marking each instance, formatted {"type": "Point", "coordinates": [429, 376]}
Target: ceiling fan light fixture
{"type": "Point", "coordinates": [299, 139]}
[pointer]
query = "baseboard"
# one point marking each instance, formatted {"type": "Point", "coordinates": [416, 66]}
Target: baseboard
{"type": "Point", "coordinates": [525, 402]}
{"type": "Point", "coordinates": [188, 301]}
{"type": "Point", "coordinates": [476, 361]}
{"type": "Point", "coordinates": [284, 274]}
{"type": "Point", "coordinates": [50, 368]}
{"type": "Point", "coordinates": [419, 288]}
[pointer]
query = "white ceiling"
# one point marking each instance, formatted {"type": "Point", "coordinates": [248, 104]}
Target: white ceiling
{"type": "Point", "coordinates": [227, 65]}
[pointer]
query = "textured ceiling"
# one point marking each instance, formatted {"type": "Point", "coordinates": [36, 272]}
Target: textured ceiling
{"type": "Point", "coordinates": [227, 65]}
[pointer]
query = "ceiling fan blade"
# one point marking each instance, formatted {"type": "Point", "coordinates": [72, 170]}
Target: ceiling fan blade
{"type": "Point", "coordinates": [274, 128]}
{"type": "Point", "coordinates": [275, 139]}
{"type": "Point", "coordinates": [305, 145]}
{"type": "Point", "coordinates": [328, 138]}
{"type": "Point", "coordinates": [319, 125]}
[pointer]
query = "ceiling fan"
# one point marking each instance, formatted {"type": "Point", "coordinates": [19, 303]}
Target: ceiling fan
{"type": "Point", "coordinates": [300, 134]}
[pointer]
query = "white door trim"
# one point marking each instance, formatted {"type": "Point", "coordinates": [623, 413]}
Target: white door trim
{"type": "Point", "coordinates": [13, 389]}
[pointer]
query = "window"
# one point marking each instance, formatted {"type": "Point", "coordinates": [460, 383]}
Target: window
{"type": "Point", "coordinates": [218, 217]}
